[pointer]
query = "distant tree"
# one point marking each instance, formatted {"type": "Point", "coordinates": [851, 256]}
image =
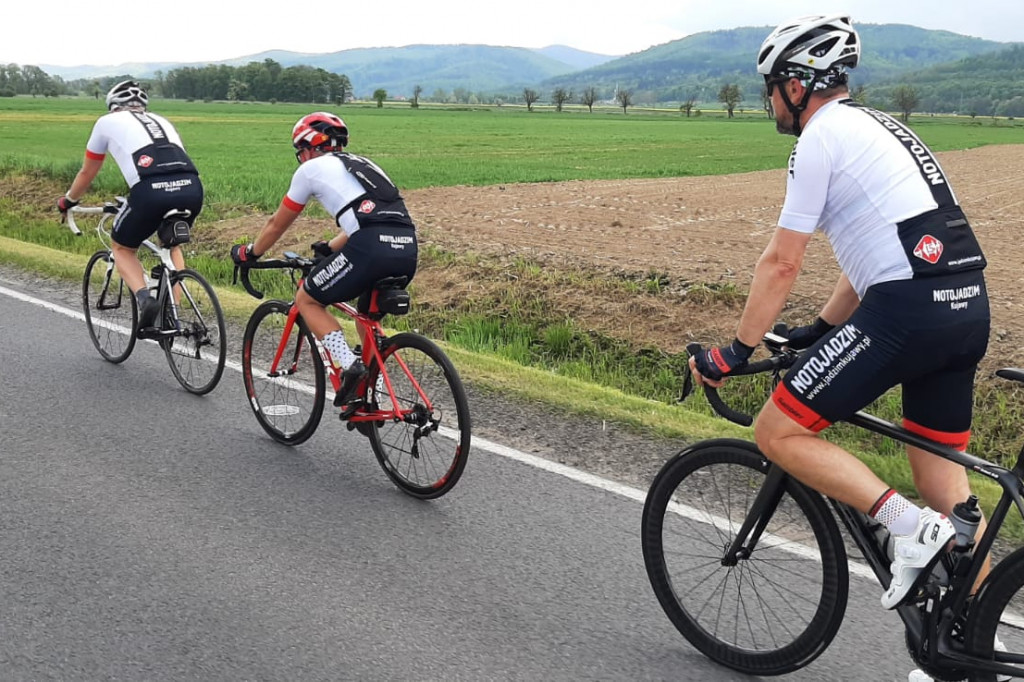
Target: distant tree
{"type": "Point", "coordinates": [417, 90]}
{"type": "Point", "coordinates": [560, 96]}
{"type": "Point", "coordinates": [440, 95]}
{"type": "Point", "coordinates": [588, 98]}
{"type": "Point", "coordinates": [905, 99]}
{"type": "Point", "coordinates": [530, 96]}
{"type": "Point", "coordinates": [624, 98]}
{"type": "Point", "coordinates": [687, 106]}
{"type": "Point", "coordinates": [94, 88]}
{"type": "Point", "coordinates": [859, 94]}
{"type": "Point", "coordinates": [766, 102]}
{"type": "Point", "coordinates": [730, 96]}
{"type": "Point", "coordinates": [379, 95]}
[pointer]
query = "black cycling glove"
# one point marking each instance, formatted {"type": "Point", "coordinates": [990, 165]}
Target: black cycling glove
{"type": "Point", "coordinates": [715, 363]}
{"type": "Point", "coordinates": [243, 254]}
{"type": "Point", "coordinates": [805, 336]}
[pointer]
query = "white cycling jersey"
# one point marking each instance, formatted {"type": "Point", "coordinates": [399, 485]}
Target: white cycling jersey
{"type": "Point", "coordinates": [124, 134]}
{"type": "Point", "coordinates": [856, 174]}
{"type": "Point", "coordinates": [351, 188]}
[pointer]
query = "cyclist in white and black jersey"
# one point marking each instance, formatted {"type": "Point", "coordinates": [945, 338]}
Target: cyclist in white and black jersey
{"type": "Point", "coordinates": [376, 237]}
{"type": "Point", "coordinates": [160, 176]}
{"type": "Point", "coordinates": [910, 307]}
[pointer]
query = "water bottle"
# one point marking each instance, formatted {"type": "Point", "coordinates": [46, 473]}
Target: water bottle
{"type": "Point", "coordinates": [965, 517]}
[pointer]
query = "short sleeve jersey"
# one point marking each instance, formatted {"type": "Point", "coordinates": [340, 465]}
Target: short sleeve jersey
{"type": "Point", "coordinates": [339, 191]}
{"type": "Point", "coordinates": [856, 173]}
{"type": "Point", "coordinates": [123, 134]}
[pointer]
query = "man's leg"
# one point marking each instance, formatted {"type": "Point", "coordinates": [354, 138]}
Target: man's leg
{"type": "Point", "coordinates": [326, 328]}
{"type": "Point", "coordinates": [815, 462]}
{"type": "Point", "coordinates": [128, 265]}
{"type": "Point", "coordinates": [942, 484]}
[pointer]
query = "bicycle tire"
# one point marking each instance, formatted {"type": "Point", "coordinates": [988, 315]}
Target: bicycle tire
{"type": "Point", "coordinates": [197, 354]}
{"type": "Point", "coordinates": [111, 312]}
{"type": "Point", "coordinates": [289, 406]}
{"type": "Point", "coordinates": [710, 487]}
{"type": "Point", "coordinates": [998, 611]}
{"type": "Point", "coordinates": [424, 459]}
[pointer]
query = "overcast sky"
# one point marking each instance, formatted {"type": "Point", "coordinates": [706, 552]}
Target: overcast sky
{"type": "Point", "coordinates": [110, 32]}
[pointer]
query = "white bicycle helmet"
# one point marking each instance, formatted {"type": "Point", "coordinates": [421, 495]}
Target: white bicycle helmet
{"type": "Point", "coordinates": [816, 43]}
{"type": "Point", "coordinates": [126, 93]}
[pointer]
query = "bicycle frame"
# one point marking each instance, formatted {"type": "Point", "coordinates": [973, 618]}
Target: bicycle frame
{"type": "Point", "coordinates": [934, 622]}
{"type": "Point", "coordinates": [167, 280]}
{"type": "Point", "coordinates": [372, 334]}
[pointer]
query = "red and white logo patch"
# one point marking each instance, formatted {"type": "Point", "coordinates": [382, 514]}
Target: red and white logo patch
{"type": "Point", "coordinates": [367, 206]}
{"type": "Point", "coordinates": [928, 249]}
{"type": "Point", "coordinates": [145, 161]}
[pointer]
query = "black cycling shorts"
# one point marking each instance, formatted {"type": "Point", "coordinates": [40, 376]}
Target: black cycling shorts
{"type": "Point", "coordinates": [150, 199]}
{"type": "Point", "coordinates": [370, 254]}
{"type": "Point", "coordinates": [927, 335]}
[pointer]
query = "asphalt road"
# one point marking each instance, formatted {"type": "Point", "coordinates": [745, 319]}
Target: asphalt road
{"type": "Point", "coordinates": [146, 533]}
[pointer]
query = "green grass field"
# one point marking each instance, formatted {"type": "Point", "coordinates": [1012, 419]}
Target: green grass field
{"type": "Point", "coordinates": [244, 154]}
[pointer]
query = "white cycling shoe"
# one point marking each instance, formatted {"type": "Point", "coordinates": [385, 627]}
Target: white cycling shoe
{"type": "Point", "coordinates": [919, 675]}
{"type": "Point", "coordinates": [915, 554]}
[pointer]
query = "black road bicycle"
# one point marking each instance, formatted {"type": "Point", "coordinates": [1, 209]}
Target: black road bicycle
{"type": "Point", "coordinates": [190, 329]}
{"type": "Point", "coordinates": [749, 564]}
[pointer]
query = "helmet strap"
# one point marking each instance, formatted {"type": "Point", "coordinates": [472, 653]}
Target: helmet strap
{"type": "Point", "coordinates": [797, 109]}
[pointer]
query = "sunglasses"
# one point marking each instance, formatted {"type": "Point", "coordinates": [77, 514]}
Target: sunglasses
{"type": "Point", "coordinates": [770, 83]}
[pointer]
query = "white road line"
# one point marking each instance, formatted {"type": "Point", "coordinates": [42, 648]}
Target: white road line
{"type": "Point", "coordinates": [539, 462]}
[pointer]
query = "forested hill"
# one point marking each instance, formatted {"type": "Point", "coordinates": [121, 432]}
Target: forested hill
{"type": "Point", "coordinates": [698, 65]}
{"type": "Point", "coordinates": [984, 85]}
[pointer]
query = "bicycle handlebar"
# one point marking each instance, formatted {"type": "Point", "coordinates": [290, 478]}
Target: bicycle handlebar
{"type": "Point", "coordinates": [291, 260]}
{"type": "Point", "coordinates": [780, 359]}
{"type": "Point", "coordinates": [108, 207]}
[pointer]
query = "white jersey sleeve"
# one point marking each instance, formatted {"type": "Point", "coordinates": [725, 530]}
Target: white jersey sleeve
{"type": "Point", "coordinates": [326, 179]}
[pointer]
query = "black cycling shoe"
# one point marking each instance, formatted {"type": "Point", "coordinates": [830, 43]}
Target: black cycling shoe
{"type": "Point", "coordinates": [350, 379]}
{"type": "Point", "coordinates": [148, 310]}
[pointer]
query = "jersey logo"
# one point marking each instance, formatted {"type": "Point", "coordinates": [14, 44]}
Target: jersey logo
{"type": "Point", "coordinates": [145, 161]}
{"type": "Point", "coordinates": [367, 206]}
{"type": "Point", "coordinates": [928, 249]}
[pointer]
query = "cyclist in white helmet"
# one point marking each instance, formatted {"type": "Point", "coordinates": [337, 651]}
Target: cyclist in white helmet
{"type": "Point", "coordinates": [376, 236]}
{"type": "Point", "coordinates": [160, 176]}
{"type": "Point", "coordinates": [910, 307]}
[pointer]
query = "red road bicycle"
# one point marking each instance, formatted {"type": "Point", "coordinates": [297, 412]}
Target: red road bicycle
{"type": "Point", "coordinates": [413, 406]}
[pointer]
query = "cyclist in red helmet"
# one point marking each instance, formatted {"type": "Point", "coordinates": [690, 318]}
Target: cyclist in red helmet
{"type": "Point", "coordinates": [160, 176]}
{"type": "Point", "coordinates": [376, 237]}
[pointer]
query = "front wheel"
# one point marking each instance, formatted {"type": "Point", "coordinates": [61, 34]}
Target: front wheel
{"type": "Point", "coordinates": [111, 312]}
{"type": "Point", "coordinates": [995, 621]}
{"type": "Point", "coordinates": [768, 612]}
{"type": "Point", "coordinates": [196, 353]}
{"type": "Point", "coordinates": [283, 374]}
{"type": "Point", "coordinates": [425, 450]}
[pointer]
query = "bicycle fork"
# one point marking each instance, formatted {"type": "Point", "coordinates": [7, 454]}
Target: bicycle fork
{"type": "Point", "coordinates": [761, 511]}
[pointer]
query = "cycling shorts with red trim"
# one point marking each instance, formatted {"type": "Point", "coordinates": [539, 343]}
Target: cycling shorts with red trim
{"type": "Point", "coordinates": [927, 335]}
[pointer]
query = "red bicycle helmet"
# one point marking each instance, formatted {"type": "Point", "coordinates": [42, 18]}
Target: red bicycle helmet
{"type": "Point", "coordinates": [319, 130]}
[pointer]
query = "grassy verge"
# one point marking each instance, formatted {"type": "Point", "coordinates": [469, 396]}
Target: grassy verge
{"type": "Point", "coordinates": [535, 376]}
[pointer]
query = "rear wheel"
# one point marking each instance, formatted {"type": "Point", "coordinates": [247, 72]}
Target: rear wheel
{"type": "Point", "coordinates": [425, 452]}
{"type": "Point", "coordinates": [197, 352]}
{"type": "Point", "coordinates": [998, 614]}
{"type": "Point", "coordinates": [769, 612]}
{"type": "Point", "coordinates": [110, 309]}
{"type": "Point", "coordinates": [286, 392]}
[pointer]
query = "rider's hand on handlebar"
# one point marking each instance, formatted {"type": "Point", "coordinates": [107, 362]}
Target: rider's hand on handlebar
{"type": "Point", "coordinates": [63, 205]}
{"type": "Point", "coordinates": [321, 248]}
{"type": "Point", "coordinates": [242, 255]}
{"type": "Point", "coordinates": [712, 364]}
{"type": "Point", "coordinates": [805, 336]}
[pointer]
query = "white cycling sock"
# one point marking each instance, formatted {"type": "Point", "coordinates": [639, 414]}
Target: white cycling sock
{"type": "Point", "coordinates": [896, 513]}
{"type": "Point", "coordinates": [337, 346]}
